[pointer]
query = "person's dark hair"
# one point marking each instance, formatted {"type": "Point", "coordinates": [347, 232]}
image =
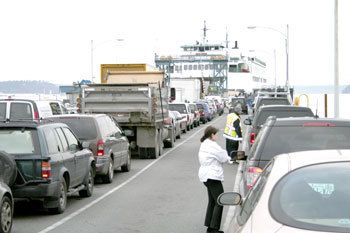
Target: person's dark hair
{"type": "Point", "coordinates": [208, 132]}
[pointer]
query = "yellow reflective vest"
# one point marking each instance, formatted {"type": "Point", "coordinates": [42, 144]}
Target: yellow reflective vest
{"type": "Point", "coordinates": [229, 128]}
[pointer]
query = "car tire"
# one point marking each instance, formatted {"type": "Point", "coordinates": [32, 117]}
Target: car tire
{"type": "Point", "coordinates": [108, 178]}
{"type": "Point", "coordinates": [89, 184]}
{"type": "Point", "coordinates": [6, 215]}
{"type": "Point", "coordinates": [127, 166]}
{"type": "Point", "coordinates": [62, 199]}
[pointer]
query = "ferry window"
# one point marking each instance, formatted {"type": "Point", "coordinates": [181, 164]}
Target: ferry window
{"type": "Point", "coordinates": [206, 67]}
{"type": "Point", "coordinates": [185, 67]}
{"type": "Point", "coordinates": [207, 48]}
{"type": "Point", "coordinates": [243, 67]}
{"type": "Point", "coordinates": [233, 68]}
{"type": "Point", "coordinates": [201, 49]}
{"type": "Point", "coordinates": [216, 47]}
{"type": "Point", "coordinates": [171, 69]}
{"type": "Point", "coordinates": [190, 67]}
{"type": "Point", "coordinates": [194, 67]}
{"type": "Point", "coordinates": [211, 66]}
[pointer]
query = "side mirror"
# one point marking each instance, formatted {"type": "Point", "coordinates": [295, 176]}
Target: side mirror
{"type": "Point", "coordinates": [85, 145]}
{"type": "Point", "coordinates": [238, 155]}
{"type": "Point", "coordinates": [229, 198]}
{"type": "Point", "coordinates": [247, 121]}
{"type": "Point", "coordinates": [128, 133]}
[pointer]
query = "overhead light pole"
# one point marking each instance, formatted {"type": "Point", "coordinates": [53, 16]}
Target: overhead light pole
{"type": "Point", "coordinates": [336, 63]}
{"type": "Point", "coordinates": [286, 38]}
{"type": "Point", "coordinates": [92, 48]}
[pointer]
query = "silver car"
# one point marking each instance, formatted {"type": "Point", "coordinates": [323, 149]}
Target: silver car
{"type": "Point", "coordinates": [297, 192]}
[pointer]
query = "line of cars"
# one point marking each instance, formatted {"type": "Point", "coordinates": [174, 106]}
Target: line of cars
{"type": "Point", "coordinates": [48, 157]}
{"type": "Point", "coordinates": [291, 164]}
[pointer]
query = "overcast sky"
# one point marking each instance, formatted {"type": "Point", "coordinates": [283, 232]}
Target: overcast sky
{"type": "Point", "coordinates": [51, 40]}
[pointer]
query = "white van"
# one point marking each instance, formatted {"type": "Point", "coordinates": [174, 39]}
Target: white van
{"type": "Point", "coordinates": [24, 109]}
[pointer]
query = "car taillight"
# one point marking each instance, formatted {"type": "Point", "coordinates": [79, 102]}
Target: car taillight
{"type": "Point", "coordinates": [252, 175]}
{"type": "Point", "coordinates": [45, 170]}
{"type": "Point", "coordinates": [252, 138]}
{"type": "Point", "coordinates": [36, 115]}
{"type": "Point", "coordinates": [100, 147]}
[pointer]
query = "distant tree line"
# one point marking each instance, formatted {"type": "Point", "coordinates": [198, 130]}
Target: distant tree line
{"type": "Point", "coordinates": [26, 86]}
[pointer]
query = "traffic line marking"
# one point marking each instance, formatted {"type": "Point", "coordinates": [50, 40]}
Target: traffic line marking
{"type": "Point", "coordinates": [72, 215]}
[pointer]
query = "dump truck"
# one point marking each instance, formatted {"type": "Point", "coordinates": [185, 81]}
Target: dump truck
{"type": "Point", "coordinates": [138, 101]}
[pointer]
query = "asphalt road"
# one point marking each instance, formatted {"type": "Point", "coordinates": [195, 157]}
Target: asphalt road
{"type": "Point", "coordinates": [156, 196]}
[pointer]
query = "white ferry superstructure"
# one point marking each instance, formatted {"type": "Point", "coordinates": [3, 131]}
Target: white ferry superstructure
{"type": "Point", "coordinates": [220, 67]}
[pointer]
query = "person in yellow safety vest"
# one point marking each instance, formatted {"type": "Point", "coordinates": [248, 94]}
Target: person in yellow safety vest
{"type": "Point", "coordinates": [232, 131]}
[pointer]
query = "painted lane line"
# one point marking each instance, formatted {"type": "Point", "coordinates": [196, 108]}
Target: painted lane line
{"type": "Point", "coordinates": [72, 215]}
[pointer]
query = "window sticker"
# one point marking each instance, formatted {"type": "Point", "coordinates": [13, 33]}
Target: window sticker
{"type": "Point", "coordinates": [324, 189]}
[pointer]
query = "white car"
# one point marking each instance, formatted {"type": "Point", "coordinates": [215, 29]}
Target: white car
{"type": "Point", "coordinates": [298, 192]}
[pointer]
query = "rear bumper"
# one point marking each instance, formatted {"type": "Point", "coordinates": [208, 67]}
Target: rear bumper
{"type": "Point", "coordinates": [32, 191]}
{"type": "Point", "coordinates": [102, 163]}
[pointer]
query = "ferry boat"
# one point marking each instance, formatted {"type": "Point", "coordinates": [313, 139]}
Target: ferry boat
{"type": "Point", "coordinates": [220, 67]}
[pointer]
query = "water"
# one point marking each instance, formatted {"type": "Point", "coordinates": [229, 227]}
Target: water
{"type": "Point", "coordinates": [317, 103]}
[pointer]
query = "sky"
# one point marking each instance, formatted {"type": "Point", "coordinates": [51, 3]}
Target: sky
{"type": "Point", "coordinates": [51, 40]}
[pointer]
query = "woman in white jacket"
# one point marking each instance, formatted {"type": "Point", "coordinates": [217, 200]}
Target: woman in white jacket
{"type": "Point", "coordinates": [211, 173]}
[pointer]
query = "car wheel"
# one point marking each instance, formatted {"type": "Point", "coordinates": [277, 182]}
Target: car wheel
{"type": "Point", "coordinates": [89, 184]}
{"type": "Point", "coordinates": [108, 178]}
{"type": "Point", "coordinates": [62, 199]}
{"type": "Point", "coordinates": [6, 215]}
{"type": "Point", "coordinates": [126, 167]}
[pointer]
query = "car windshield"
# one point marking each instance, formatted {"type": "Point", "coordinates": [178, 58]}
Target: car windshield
{"type": "Point", "coordinates": [19, 141]}
{"type": "Point", "coordinates": [291, 139]}
{"type": "Point", "coordinates": [313, 199]}
{"type": "Point", "coordinates": [181, 108]}
{"type": "Point", "coordinates": [261, 118]}
{"type": "Point", "coordinates": [78, 126]}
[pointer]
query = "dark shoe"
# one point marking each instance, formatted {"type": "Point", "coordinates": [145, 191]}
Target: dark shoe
{"type": "Point", "coordinates": [209, 229]}
{"type": "Point", "coordinates": [216, 231]}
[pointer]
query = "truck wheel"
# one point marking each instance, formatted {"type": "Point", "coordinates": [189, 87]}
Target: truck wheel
{"type": "Point", "coordinates": [62, 199]}
{"type": "Point", "coordinates": [89, 185]}
{"type": "Point", "coordinates": [126, 167]}
{"type": "Point", "coordinates": [6, 215]}
{"type": "Point", "coordinates": [108, 178]}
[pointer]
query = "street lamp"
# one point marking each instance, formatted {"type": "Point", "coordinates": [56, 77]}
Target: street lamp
{"type": "Point", "coordinates": [286, 37]}
{"type": "Point", "coordinates": [93, 47]}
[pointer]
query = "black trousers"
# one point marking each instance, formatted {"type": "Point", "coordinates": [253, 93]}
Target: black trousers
{"type": "Point", "coordinates": [214, 210]}
{"type": "Point", "coordinates": [231, 145]}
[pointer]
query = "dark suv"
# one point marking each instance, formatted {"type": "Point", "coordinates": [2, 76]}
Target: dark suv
{"type": "Point", "coordinates": [254, 124]}
{"type": "Point", "coordinates": [271, 101]}
{"type": "Point", "coordinates": [107, 141]}
{"type": "Point", "coordinates": [239, 102]}
{"type": "Point", "coordinates": [286, 135]}
{"type": "Point", "coordinates": [51, 162]}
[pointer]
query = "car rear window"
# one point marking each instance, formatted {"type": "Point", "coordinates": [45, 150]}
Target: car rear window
{"type": "Point", "coordinates": [314, 198]}
{"type": "Point", "coordinates": [263, 115]}
{"type": "Point", "coordinates": [291, 139]}
{"type": "Point", "coordinates": [2, 111]}
{"type": "Point", "coordinates": [21, 111]}
{"type": "Point", "coordinates": [19, 141]}
{"type": "Point", "coordinates": [264, 102]}
{"type": "Point", "coordinates": [181, 108]}
{"type": "Point", "coordinates": [84, 128]}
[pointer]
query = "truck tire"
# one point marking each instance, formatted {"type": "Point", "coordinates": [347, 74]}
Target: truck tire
{"type": "Point", "coordinates": [62, 199]}
{"type": "Point", "coordinates": [6, 215]}
{"type": "Point", "coordinates": [8, 168]}
{"type": "Point", "coordinates": [89, 184]}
